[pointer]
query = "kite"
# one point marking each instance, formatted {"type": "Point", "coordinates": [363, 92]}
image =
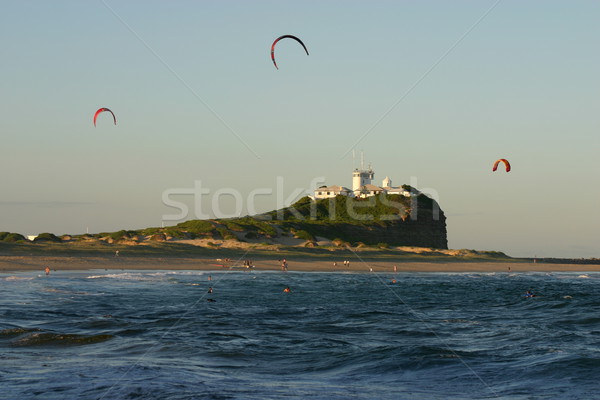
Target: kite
{"type": "Point", "coordinates": [506, 163]}
{"type": "Point", "coordinates": [283, 37]}
{"type": "Point", "coordinates": [100, 110]}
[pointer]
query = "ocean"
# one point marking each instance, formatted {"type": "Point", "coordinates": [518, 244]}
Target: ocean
{"type": "Point", "coordinates": [160, 335]}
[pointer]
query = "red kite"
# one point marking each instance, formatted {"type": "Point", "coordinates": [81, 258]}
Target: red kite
{"type": "Point", "coordinates": [283, 37]}
{"type": "Point", "coordinates": [506, 163]}
{"type": "Point", "coordinates": [102, 110]}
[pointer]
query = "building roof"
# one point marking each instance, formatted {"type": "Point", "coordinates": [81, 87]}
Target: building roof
{"type": "Point", "coordinates": [370, 187]}
{"type": "Point", "coordinates": [333, 188]}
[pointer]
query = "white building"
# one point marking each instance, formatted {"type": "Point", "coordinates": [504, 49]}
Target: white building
{"type": "Point", "coordinates": [361, 186]}
{"type": "Point", "coordinates": [325, 192]}
{"type": "Point", "coordinates": [390, 189]}
{"type": "Point", "coordinates": [361, 178]}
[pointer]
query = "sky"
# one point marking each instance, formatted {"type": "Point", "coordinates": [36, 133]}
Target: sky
{"type": "Point", "coordinates": [432, 93]}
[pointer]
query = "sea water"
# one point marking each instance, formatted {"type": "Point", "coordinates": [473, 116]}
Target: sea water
{"type": "Point", "coordinates": [161, 335]}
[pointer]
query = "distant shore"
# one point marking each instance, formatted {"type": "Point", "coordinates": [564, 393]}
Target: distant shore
{"type": "Point", "coordinates": [58, 263]}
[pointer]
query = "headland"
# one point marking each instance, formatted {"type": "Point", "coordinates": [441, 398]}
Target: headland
{"type": "Point", "coordinates": [379, 233]}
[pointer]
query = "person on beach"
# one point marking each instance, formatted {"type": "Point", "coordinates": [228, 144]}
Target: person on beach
{"type": "Point", "coordinates": [287, 290]}
{"type": "Point", "coordinates": [117, 253]}
{"type": "Point", "coordinates": [47, 270]}
{"type": "Point", "coordinates": [395, 270]}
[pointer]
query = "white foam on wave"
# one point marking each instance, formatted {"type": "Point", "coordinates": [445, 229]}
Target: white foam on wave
{"type": "Point", "coordinates": [127, 276]}
{"type": "Point", "coordinates": [186, 272]}
{"type": "Point", "coordinates": [17, 278]}
{"type": "Point", "coordinates": [145, 276]}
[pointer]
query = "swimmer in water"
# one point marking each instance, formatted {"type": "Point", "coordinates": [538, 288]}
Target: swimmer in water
{"type": "Point", "coordinates": [210, 290]}
{"type": "Point", "coordinates": [287, 290]}
{"type": "Point", "coordinates": [529, 294]}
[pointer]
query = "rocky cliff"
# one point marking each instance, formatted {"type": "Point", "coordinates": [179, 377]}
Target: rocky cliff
{"type": "Point", "coordinates": [384, 219]}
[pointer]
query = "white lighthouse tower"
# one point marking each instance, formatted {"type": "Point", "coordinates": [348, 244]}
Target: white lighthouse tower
{"type": "Point", "coordinates": [361, 177]}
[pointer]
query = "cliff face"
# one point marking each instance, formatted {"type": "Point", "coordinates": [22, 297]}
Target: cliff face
{"type": "Point", "coordinates": [393, 220]}
{"type": "Point", "coordinates": [419, 233]}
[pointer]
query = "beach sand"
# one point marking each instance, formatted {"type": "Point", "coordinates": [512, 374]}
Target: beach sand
{"type": "Point", "coordinates": [28, 263]}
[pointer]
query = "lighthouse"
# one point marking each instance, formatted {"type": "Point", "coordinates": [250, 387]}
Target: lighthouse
{"type": "Point", "coordinates": [361, 177]}
{"type": "Point", "coordinates": [361, 186]}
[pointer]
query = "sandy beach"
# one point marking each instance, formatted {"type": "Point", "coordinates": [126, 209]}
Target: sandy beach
{"type": "Point", "coordinates": [28, 263]}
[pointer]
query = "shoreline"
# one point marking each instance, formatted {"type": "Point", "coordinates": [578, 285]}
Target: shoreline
{"type": "Point", "coordinates": [32, 263]}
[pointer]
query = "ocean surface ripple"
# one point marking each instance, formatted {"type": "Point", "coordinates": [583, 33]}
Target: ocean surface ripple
{"type": "Point", "coordinates": [161, 335]}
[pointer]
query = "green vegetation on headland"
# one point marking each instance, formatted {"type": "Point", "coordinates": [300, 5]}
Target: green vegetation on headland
{"type": "Point", "coordinates": [8, 237]}
{"type": "Point", "coordinates": [388, 220]}
{"type": "Point", "coordinates": [377, 228]}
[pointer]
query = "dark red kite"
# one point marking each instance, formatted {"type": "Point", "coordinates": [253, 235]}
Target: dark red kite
{"type": "Point", "coordinates": [283, 37]}
{"type": "Point", "coordinates": [102, 110]}
{"type": "Point", "coordinates": [506, 163]}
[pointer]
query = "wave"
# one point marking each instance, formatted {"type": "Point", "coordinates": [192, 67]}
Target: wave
{"type": "Point", "coordinates": [17, 278]}
{"type": "Point", "coordinates": [17, 331]}
{"type": "Point", "coordinates": [63, 291]}
{"type": "Point", "coordinates": [129, 276]}
{"type": "Point", "coordinates": [58, 339]}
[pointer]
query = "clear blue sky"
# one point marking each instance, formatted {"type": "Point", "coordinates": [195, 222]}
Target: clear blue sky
{"type": "Point", "coordinates": [457, 88]}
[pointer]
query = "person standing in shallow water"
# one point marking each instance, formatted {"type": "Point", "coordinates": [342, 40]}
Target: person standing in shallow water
{"type": "Point", "coordinates": [47, 270]}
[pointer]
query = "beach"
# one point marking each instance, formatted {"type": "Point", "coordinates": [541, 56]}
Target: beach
{"type": "Point", "coordinates": [57, 263]}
